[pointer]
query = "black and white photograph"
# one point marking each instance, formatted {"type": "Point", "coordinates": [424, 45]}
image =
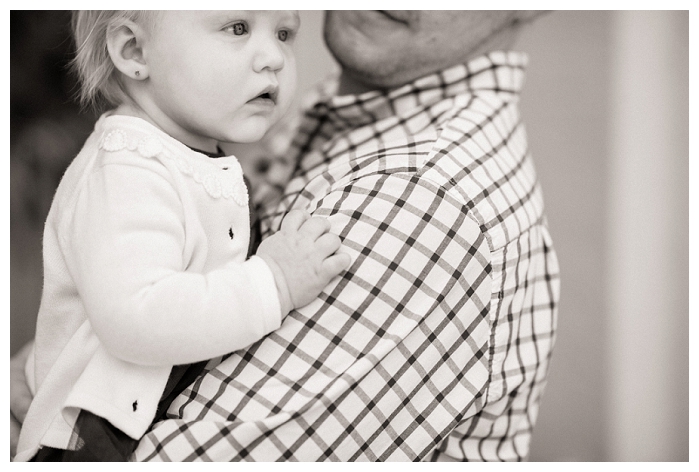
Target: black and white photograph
{"type": "Point", "coordinates": [350, 235]}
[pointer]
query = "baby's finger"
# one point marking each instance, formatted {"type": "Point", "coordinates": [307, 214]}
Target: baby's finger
{"type": "Point", "coordinates": [294, 219]}
{"type": "Point", "coordinates": [328, 244]}
{"type": "Point", "coordinates": [335, 264]}
{"type": "Point", "coordinates": [315, 227]}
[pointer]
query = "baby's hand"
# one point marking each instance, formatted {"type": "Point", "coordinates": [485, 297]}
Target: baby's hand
{"type": "Point", "coordinates": [302, 258]}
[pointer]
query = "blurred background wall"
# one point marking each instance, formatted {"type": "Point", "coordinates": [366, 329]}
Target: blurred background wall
{"type": "Point", "coordinates": [606, 105]}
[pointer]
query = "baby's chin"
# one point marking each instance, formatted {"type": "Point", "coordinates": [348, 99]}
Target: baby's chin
{"type": "Point", "coordinates": [252, 131]}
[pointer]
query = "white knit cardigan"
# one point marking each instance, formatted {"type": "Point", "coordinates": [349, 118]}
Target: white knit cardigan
{"type": "Point", "coordinates": [144, 268]}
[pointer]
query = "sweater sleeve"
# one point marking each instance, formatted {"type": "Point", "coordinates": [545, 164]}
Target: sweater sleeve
{"type": "Point", "coordinates": [124, 248]}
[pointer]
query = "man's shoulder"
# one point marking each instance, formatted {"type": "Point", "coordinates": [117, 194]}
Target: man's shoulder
{"type": "Point", "coordinates": [481, 156]}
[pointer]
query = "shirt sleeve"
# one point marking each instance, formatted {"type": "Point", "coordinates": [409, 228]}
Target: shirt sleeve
{"type": "Point", "coordinates": [124, 248]}
{"type": "Point", "coordinates": [382, 366]}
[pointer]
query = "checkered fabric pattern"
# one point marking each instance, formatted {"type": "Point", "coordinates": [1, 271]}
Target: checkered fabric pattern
{"type": "Point", "coordinates": [435, 343]}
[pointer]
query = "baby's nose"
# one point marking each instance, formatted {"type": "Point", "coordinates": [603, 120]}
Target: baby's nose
{"type": "Point", "coordinates": [269, 56]}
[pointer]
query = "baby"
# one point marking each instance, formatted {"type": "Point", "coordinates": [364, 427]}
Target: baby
{"type": "Point", "coordinates": [145, 244]}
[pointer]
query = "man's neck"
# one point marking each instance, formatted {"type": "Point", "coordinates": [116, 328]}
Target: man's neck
{"type": "Point", "coordinates": [500, 40]}
{"type": "Point", "coordinates": [349, 85]}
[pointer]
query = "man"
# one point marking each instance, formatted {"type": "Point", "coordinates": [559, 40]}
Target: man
{"type": "Point", "coordinates": [435, 343]}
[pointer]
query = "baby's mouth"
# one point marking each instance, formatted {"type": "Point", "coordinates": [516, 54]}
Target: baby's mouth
{"type": "Point", "coordinates": [268, 96]}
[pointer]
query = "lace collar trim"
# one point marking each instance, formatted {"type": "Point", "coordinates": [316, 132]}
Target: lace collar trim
{"type": "Point", "coordinates": [221, 178]}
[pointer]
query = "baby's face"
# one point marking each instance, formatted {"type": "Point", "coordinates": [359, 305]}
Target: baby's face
{"type": "Point", "coordinates": [226, 75]}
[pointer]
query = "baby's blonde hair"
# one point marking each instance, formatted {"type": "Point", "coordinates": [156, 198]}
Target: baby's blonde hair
{"type": "Point", "coordinates": [99, 78]}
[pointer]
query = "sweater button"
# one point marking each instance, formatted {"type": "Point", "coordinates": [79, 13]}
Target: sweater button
{"type": "Point", "coordinates": [230, 233]}
{"type": "Point", "coordinates": [135, 405]}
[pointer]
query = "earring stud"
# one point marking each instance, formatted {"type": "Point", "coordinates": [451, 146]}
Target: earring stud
{"type": "Point", "coordinates": [137, 73]}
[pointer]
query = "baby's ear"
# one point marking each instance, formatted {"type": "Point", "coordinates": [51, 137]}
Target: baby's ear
{"type": "Point", "coordinates": [125, 46]}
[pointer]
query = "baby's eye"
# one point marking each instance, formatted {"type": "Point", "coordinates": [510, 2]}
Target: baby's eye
{"type": "Point", "coordinates": [283, 35]}
{"type": "Point", "coordinates": [238, 29]}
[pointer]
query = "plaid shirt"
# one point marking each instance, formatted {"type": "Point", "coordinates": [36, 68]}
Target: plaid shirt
{"type": "Point", "coordinates": [436, 342]}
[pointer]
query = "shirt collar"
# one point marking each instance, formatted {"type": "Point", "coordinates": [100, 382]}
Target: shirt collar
{"type": "Point", "coordinates": [497, 71]}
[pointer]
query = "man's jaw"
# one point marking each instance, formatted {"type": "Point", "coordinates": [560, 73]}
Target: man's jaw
{"type": "Point", "coordinates": [406, 17]}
